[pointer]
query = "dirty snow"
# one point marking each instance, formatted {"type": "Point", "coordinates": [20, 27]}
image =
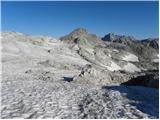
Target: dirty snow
{"type": "Point", "coordinates": [113, 67]}
{"type": "Point", "coordinates": [130, 57]}
{"type": "Point", "coordinates": [156, 60]}
{"type": "Point", "coordinates": [131, 68]}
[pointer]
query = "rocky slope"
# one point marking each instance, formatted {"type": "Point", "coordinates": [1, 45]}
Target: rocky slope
{"type": "Point", "coordinates": [79, 76]}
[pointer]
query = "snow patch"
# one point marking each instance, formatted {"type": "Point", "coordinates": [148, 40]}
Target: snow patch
{"type": "Point", "coordinates": [156, 60]}
{"type": "Point", "coordinates": [131, 68]}
{"type": "Point", "coordinates": [109, 55]}
{"type": "Point", "coordinates": [115, 50]}
{"type": "Point", "coordinates": [90, 50]}
{"type": "Point", "coordinates": [113, 67]}
{"type": "Point", "coordinates": [130, 57]}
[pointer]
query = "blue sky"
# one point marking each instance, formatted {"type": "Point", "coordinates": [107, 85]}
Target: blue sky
{"type": "Point", "coordinates": [139, 19]}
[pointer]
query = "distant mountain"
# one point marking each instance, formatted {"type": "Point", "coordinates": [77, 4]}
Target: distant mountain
{"type": "Point", "coordinates": [111, 37]}
{"type": "Point", "coordinates": [154, 43]}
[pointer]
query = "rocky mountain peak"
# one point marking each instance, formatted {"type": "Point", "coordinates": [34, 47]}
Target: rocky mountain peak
{"type": "Point", "coordinates": [111, 37]}
{"type": "Point", "coordinates": [79, 31]}
{"type": "Point", "coordinates": [152, 42]}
